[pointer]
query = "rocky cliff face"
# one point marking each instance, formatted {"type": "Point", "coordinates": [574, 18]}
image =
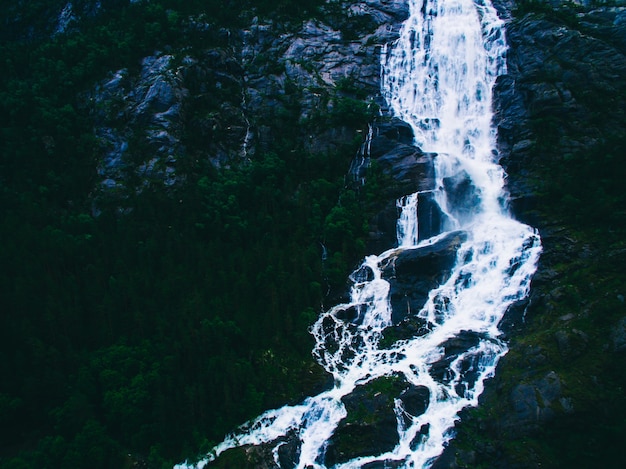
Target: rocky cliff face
{"type": "Point", "coordinates": [50, 18]}
{"type": "Point", "coordinates": [221, 104]}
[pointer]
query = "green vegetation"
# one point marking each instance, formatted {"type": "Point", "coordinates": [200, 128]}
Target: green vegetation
{"type": "Point", "coordinates": [144, 337]}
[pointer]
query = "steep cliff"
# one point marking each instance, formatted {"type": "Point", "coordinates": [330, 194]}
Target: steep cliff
{"type": "Point", "coordinates": [221, 104]}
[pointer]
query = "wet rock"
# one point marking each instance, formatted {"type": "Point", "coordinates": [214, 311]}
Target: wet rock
{"type": "Point", "coordinates": [415, 400]}
{"type": "Point", "coordinates": [289, 452]}
{"type": "Point", "coordinates": [370, 427]}
{"type": "Point", "coordinates": [412, 170]}
{"type": "Point", "coordinates": [392, 147]}
{"type": "Point", "coordinates": [360, 439]}
{"type": "Point", "coordinates": [430, 218]}
{"type": "Point", "coordinates": [452, 348]}
{"type": "Point", "coordinates": [409, 328]}
{"type": "Point", "coordinates": [462, 194]}
{"type": "Point", "coordinates": [246, 457]}
{"type": "Point", "coordinates": [462, 342]}
{"type": "Point", "coordinates": [389, 464]}
{"type": "Point", "coordinates": [413, 273]}
{"type": "Point", "coordinates": [514, 317]}
{"type": "Point", "coordinates": [383, 234]}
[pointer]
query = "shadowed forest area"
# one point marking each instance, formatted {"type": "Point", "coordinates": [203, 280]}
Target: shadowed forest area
{"type": "Point", "coordinates": [146, 335]}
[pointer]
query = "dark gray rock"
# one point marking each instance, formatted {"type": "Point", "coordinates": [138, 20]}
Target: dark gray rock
{"type": "Point", "coordinates": [462, 195]}
{"type": "Point", "coordinates": [392, 147]}
{"type": "Point", "coordinates": [147, 107]}
{"type": "Point", "coordinates": [415, 400]}
{"type": "Point", "coordinates": [262, 74]}
{"type": "Point", "coordinates": [370, 427]}
{"type": "Point", "coordinates": [430, 217]}
{"type": "Point", "coordinates": [410, 327]}
{"type": "Point", "coordinates": [413, 273]}
{"type": "Point", "coordinates": [453, 348]}
{"type": "Point", "coordinates": [317, 60]}
{"type": "Point", "coordinates": [515, 316]}
{"type": "Point", "coordinates": [553, 70]}
{"type": "Point", "coordinates": [289, 452]}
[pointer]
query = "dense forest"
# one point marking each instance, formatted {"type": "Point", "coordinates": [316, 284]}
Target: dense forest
{"type": "Point", "coordinates": [141, 336]}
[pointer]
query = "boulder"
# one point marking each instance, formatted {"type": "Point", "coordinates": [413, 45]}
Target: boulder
{"type": "Point", "coordinates": [392, 147]}
{"type": "Point", "coordinates": [463, 196]}
{"type": "Point", "coordinates": [413, 273]}
{"type": "Point", "coordinates": [370, 427]}
{"type": "Point", "coordinates": [452, 348]}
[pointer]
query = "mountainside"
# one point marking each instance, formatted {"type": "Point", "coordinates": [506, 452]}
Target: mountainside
{"type": "Point", "coordinates": [185, 185]}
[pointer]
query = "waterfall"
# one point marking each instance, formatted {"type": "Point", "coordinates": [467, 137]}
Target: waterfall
{"type": "Point", "coordinates": [407, 226]}
{"type": "Point", "coordinates": [438, 77]}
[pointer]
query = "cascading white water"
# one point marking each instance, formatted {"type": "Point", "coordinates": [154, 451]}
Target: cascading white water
{"type": "Point", "coordinates": [438, 77]}
{"type": "Point", "coordinates": [407, 226]}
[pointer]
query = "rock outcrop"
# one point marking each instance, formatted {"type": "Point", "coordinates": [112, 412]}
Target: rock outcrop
{"type": "Point", "coordinates": [390, 146]}
{"type": "Point", "coordinates": [149, 105]}
{"type": "Point", "coordinates": [370, 427]}
{"type": "Point", "coordinates": [413, 273]}
{"type": "Point", "coordinates": [557, 67]}
{"type": "Point", "coordinates": [52, 18]}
